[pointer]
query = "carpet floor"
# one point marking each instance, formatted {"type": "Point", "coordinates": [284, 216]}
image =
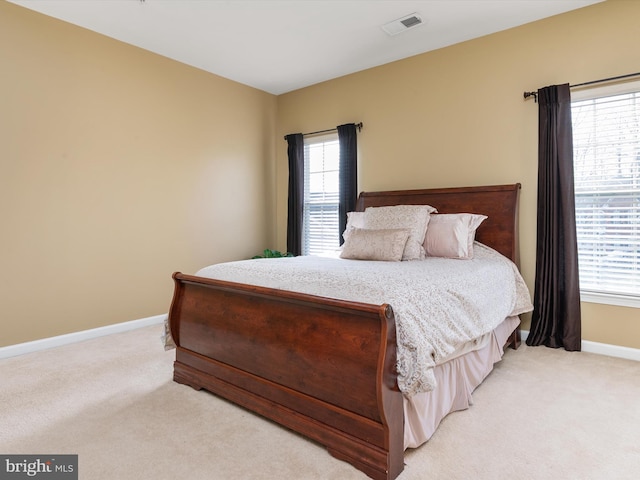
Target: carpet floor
{"type": "Point", "coordinates": [541, 414]}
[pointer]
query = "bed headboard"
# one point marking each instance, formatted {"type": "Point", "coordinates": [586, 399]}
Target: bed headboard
{"type": "Point", "coordinates": [499, 202]}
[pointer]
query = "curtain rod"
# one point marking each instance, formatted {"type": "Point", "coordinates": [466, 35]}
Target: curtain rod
{"type": "Point", "coordinates": [592, 82]}
{"type": "Point", "coordinates": [358, 126]}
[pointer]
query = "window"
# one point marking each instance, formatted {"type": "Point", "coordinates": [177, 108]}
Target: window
{"type": "Point", "coordinates": [606, 142]}
{"type": "Point", "coordinates": [321, 194]}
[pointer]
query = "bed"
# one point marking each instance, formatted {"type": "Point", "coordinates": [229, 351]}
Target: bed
{"type": "Point", "coordinates": [327, 367]}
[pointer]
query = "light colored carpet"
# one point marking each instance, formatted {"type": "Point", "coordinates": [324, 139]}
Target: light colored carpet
{"type": "Point", "coordinates": [541, 414]}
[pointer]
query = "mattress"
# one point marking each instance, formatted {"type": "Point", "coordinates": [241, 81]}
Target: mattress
{"type": "Point", "coordinates": [439, 304]}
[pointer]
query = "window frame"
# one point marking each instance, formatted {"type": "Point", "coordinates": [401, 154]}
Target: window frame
{"type": "Point", "coordinates": [589, 93]}
{"type": "Point", "coordinates": [331, 138]}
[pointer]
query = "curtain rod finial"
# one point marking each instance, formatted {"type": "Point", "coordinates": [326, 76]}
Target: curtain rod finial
{"type": "Point", "coordinates": [531, 94]}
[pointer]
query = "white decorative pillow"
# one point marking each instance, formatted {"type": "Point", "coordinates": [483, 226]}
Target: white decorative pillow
{"type": "Point", "coordinates": [451, 235]}
{"type": "Point", "coordinates": [354, 220]}
{"type": "Point", "coordinates": [386, 245]}
{"type": "Point", "coordinates": [415, 218]}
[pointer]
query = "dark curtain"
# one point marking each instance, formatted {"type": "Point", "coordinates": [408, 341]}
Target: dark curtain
{"type": "Point", "coordinates": [348, 173]}
{"type": "Point", "coordinates": [556, 316]}
{"type": "Point", "coordinates": [295, 151]}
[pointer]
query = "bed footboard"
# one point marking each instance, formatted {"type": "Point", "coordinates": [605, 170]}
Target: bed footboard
{"type": "Point", "coordinates": [324, 368]}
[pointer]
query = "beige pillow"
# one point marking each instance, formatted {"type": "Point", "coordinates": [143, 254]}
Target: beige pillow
{"type": "Point", "coordinates": [411, 217]}
{"type": "Point", "coordinates": [451, 235]}
{"type": "Point", "coordinates": [354, 220]}
{"type": "Point", "coordinates": [385, 245]}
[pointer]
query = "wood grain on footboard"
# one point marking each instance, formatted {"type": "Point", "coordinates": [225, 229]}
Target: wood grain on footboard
{"type": "Point", "coordinates": [322, 367]}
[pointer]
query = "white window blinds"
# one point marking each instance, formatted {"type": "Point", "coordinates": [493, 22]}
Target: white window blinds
{"type": "Point", "coordinates": [321, 195]}
{"type": "Point", "coordinates": [606, 142]}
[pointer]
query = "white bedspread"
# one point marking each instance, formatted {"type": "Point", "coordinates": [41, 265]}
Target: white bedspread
{"type": "Point", "coordinates": [439, 304]}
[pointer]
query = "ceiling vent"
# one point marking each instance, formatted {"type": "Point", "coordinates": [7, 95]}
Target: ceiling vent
{"type": "Point", "coordinates": [402, 24]}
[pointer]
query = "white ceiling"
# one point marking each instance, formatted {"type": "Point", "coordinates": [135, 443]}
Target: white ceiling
{"type": "Point", "coordinates": [282, 45]}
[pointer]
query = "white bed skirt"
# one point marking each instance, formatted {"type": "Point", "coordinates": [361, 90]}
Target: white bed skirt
{"type": "Point", "coordinates": [456, 381]}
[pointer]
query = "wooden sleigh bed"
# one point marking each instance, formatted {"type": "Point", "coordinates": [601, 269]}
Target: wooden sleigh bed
{"type": "Point", "coordinates": [322, 367]}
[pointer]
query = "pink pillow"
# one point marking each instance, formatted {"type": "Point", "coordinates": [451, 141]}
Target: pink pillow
{"type": "Point", "coordinates": [451, 235]}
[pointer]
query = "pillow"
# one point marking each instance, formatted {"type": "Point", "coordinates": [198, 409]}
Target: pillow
{"type": "Point", "coordinates": [354, 220]}
{"type": "Point", "coordinates": [411, 217]}
{"type": "Point", "coordinates": [386, 245]}
{"type": "Point", "coordinates": [451, 235]}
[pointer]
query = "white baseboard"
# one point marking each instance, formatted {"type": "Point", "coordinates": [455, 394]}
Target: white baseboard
{"type": "Point", "coordinates": [51, 342]}
{"type": "Point", "coordinates": [603, 349]}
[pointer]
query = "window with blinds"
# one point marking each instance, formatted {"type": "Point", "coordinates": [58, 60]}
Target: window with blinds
{"type": "Point", "coordinates": [606, 142]}
{"type": "Point", "coordinates": [321, 189]}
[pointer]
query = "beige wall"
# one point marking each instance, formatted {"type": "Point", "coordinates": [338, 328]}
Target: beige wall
{"type": "Point", "coordinates": [456, 117]}
{"type": "Point", "coordinates": [117, 168]}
